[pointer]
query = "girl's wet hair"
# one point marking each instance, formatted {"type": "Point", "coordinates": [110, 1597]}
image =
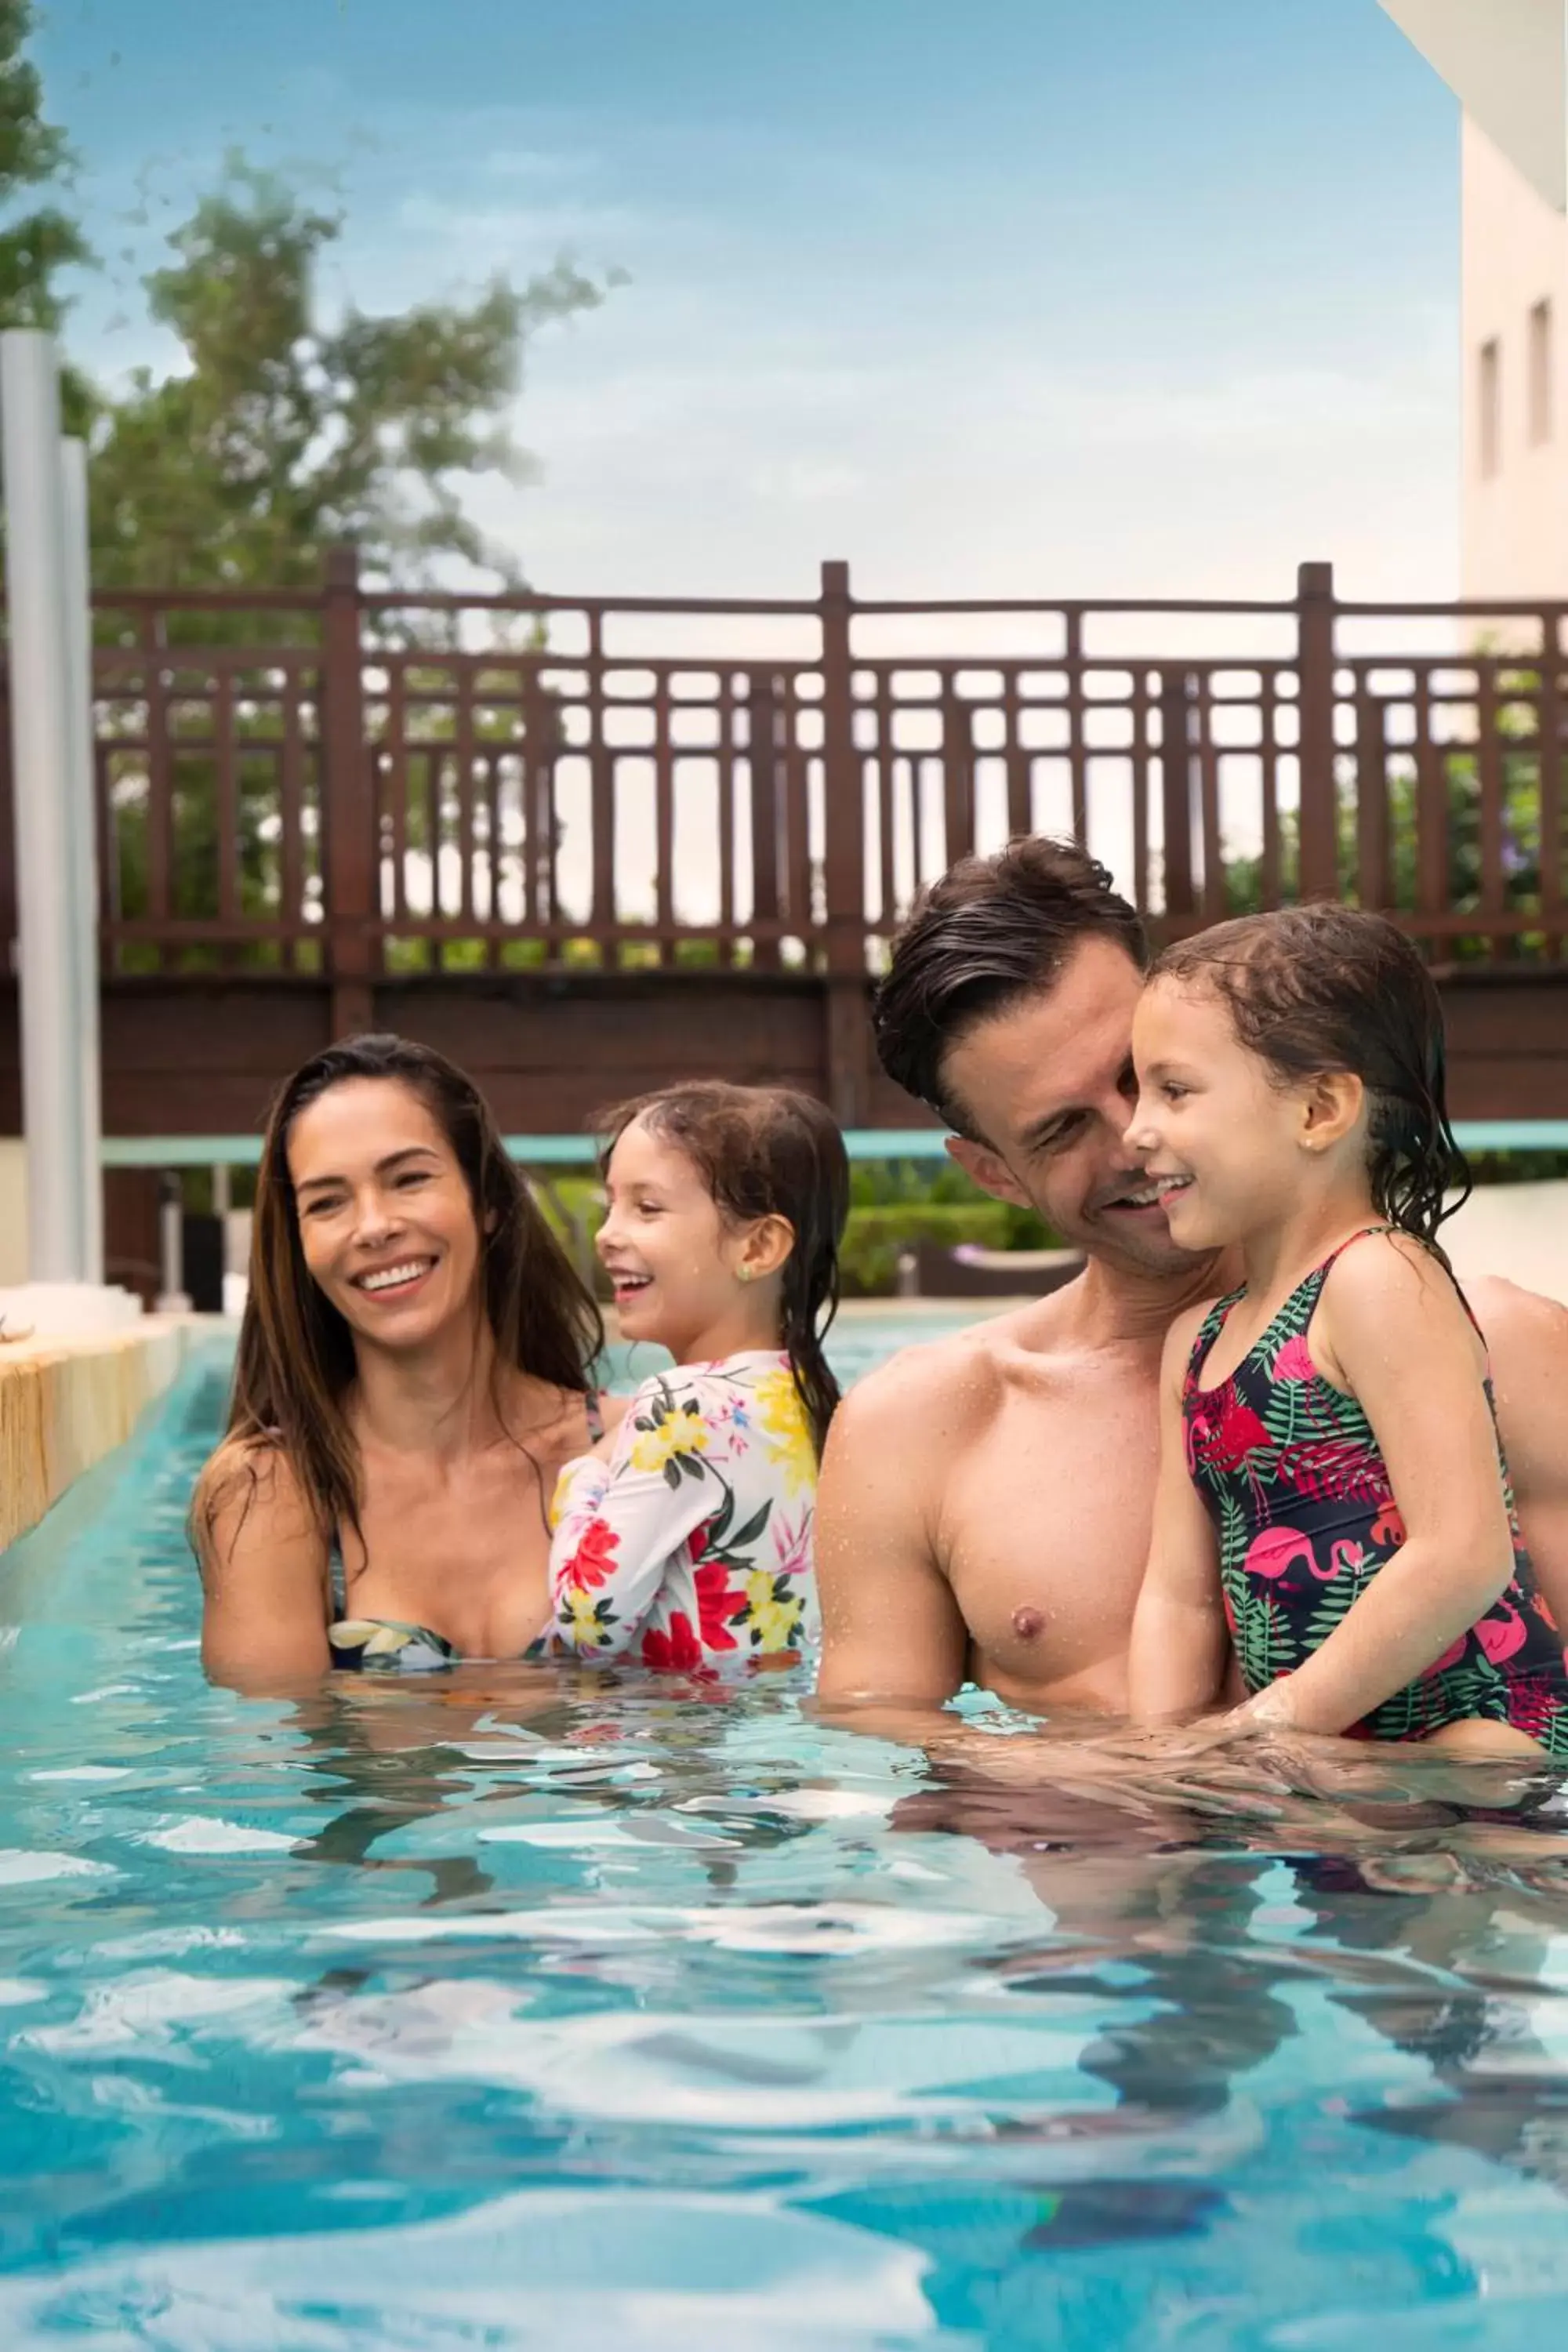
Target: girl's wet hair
{"type": "Point", "coordinates": [296, 1356]}
{"type": "Point", "coordinates": [766, 1151]}
{"type": "Point", "coordinates": [1316, 989]}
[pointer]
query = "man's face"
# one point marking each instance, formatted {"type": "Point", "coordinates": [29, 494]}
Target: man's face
{"type": "Point", "coordinates": [1049, 1082]}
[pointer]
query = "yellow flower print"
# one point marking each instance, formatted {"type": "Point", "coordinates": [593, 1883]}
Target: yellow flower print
{"type": "Point", "coordinates": [579, 1614]}
{"type": "Point", "coordinates": [672, 1433]}
{"type": "Point", "coordinates": [781, 1416]}
{"type": "Point", "coordinates": [772, 1622]}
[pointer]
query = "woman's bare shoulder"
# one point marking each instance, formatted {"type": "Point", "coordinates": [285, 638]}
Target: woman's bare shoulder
{"type": "Point", "coordinates": [247, 1494]}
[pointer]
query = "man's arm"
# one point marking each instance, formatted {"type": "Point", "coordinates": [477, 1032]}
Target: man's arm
{"type": "Point", "coordinates": [1527, 1340]}
{"type": "Point", "coordinates": [892, 1629]}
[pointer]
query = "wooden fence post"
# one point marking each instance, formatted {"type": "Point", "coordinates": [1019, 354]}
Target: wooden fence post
{"type": "Point", "coordinates": [767, 780]}
{"type": "Point", "coordinates": [1176, 797]}
{"type": "Point", "coordinates": [350, 875]}
{"type": "Point", "coordinates": [1318, 875]}
{"type": "Point", "coordinates": [844, 863]}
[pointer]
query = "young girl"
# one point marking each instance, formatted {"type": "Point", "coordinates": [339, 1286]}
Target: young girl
{"type": "Point", "coordinates": [1332, 1490]}
{"type": "Point", "coordinates": [686, 1538]}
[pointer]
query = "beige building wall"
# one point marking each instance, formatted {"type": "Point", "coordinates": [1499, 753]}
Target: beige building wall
{"type": "Point", "coordinates": [1514, 310]}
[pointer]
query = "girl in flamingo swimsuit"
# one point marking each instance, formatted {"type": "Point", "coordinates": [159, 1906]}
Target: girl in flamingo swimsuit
{"type": "Point", "coordinates": [1333, 1500]}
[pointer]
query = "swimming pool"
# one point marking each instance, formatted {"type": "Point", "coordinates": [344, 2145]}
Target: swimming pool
{"type": "Point", "coordinates": [546, 2010]}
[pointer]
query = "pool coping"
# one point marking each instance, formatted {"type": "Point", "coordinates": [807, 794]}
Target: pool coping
{"type": "Point", "coordinates": [68, 1402]}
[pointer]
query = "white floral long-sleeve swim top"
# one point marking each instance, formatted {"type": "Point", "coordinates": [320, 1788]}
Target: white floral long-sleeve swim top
{"type": "Point", "coordinates": [692, 1543]}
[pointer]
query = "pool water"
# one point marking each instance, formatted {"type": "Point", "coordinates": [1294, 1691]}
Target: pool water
{"type": "Point", "coordinates": [540, 2008]}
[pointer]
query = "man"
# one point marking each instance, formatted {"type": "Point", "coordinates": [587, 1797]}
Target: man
{"type": "Point", "coordinates": [985, 1501]}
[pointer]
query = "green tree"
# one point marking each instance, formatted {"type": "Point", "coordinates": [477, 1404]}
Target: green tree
{"type": "Point", "coordinates": [279, 431]}
{"type": "Point", "coordinates": [1516, 720]}
{"type": "Point", "coordinates": [35, 244]}
{"type": "Point", "coordinates": [37, 240]}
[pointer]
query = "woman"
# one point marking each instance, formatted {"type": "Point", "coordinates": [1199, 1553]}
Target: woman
{"type": "Point", "coordinates": [415, 1366]}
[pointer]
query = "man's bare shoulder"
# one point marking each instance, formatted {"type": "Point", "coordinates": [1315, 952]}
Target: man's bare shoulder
{"type": "Point", "coordinates": [1527, 1340]}
{"type": "Point", "coordinates": [961, 1374]}
{"type": "Point", "coordinates": [1505, 1310]}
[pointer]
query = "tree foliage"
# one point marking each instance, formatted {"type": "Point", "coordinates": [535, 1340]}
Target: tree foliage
{"type": "Point", "coordinates": [36, 240]}
{"type": "Point", "coordinates": [282, 430]}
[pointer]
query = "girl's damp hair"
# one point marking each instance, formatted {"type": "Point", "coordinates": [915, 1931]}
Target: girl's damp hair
{"type": "Point", "coordinates": [1316, 989]}
{"type": "Point", "coordinates": [766, 1151]}
{"type": "Point", "coordinates": [296, 1358]}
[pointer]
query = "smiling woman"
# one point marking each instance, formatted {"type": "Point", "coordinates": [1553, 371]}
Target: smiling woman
{"type": "Point", "coordinates": [415, 1368]}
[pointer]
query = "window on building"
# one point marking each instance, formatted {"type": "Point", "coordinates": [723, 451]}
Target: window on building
{"type": "Point", "coordinates": [1541, 373]}
{"type": "Point", "coordinates": [1489, 407]}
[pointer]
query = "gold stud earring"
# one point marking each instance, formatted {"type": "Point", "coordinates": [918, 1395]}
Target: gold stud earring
{"type": "Point", "coordinates": [745, 1272]}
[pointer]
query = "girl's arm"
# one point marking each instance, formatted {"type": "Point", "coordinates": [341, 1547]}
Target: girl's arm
{"type": "Point", "coordinates": [620, 1522]}
{"type": "Point", "coordinates": [1392, 1329]}
{"type": "Point", "coordinates": [1181, 1644]}
{"type": "Point", "coordinates": [264, 1572]}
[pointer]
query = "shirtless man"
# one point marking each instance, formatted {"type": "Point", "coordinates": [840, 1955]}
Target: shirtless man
{"type": "Point", "coordinates": [985, 1501]}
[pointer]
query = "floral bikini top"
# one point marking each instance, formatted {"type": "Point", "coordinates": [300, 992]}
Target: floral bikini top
{"type": "Point", "coordinates": [382, 1644]}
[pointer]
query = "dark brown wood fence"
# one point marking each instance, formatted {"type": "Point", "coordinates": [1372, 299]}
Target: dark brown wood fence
{"type": "Point", "coordinates": [351, 784]}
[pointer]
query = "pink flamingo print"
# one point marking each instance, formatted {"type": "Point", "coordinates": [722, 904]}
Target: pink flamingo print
{"type": "Point", "coordinates": [1277, 1549]}
{"type": "Point", "coordinates": [1501, 1634]}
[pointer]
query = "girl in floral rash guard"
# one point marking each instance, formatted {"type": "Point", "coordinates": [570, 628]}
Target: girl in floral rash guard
{"type": "Point", "coordinates": [685, 1539]}
{"type": "Point", "coordinates": [1332, 1498]}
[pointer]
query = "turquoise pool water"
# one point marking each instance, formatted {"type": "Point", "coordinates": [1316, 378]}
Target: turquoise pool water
{"type": "Point", "coordinates": [513, 2008]}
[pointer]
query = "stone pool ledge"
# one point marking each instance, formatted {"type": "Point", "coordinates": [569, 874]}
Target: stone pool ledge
{"type": "Point", "coordinates": [67, 1400]}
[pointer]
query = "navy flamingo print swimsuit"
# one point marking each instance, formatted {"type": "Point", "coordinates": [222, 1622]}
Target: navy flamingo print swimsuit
{"type": "Point", "coordinates": [1292, 1477]}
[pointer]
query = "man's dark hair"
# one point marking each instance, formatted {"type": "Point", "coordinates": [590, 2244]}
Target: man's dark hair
{"type": "Point", "coordinates": [991, 932]}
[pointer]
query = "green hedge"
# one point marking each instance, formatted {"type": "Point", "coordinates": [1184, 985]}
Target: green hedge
{"type": "Point", "coordinates": [876, 1231]}
{"type": "Point", "coordinates": [875, 1237]}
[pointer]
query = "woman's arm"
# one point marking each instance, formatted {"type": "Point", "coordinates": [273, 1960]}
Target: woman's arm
{"type": "Point", "coordinates": [264, 1573]}
{"type": "Point", "coordinates": [1390, 1329]}
{"type": "Point", "coordinates": [620, 1522]}
{"type": "Point", "coordinates": [1181, 1644]}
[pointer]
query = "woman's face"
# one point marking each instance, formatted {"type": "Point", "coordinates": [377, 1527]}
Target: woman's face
{"type": "Point", "coordinates": [385, 1221]}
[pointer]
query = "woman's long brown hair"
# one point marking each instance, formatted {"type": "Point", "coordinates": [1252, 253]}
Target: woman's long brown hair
{"type": "Point", "coordinates": [296, 1358]}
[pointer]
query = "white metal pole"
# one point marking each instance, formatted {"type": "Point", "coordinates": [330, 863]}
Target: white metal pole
{"type": "Point", "coordinates": [41, 742]}
{"type": "Point", "coordinates": [84, 847]}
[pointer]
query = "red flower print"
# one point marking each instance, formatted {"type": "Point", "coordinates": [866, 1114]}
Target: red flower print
{"type": "Point", "coordinates": [1222, 1437]}
{"type": "Point", "coordinates": [1532, 1705]}
{"type": "Point", "coordinates": [718, 1604]}
{"type": "Point", "coordinates": [676, 1650]}
{"type": "Point", "coordinates": [593, 1559]}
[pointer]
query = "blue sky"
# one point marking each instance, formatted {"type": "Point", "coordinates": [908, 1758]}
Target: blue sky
{"type": "Point", "coordinates": [1016, 296]}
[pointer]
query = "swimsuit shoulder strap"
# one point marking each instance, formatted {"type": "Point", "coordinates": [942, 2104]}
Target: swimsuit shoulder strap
{"type": "Point", "coordinates": [1208, 1331]}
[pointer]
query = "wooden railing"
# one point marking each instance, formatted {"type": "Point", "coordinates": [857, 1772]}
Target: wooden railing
{"type": "Point", "coordinates": [354, 784]}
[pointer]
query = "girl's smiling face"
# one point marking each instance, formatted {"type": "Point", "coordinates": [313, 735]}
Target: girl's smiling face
{"type": "Point", "coordinates": [675, 1261]}
{"type": "Point", "coordinates": [1218, 1131]}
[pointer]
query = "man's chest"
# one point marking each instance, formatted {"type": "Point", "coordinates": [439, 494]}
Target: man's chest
{"type": "Point", "coordinates": [1043, 1535]}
